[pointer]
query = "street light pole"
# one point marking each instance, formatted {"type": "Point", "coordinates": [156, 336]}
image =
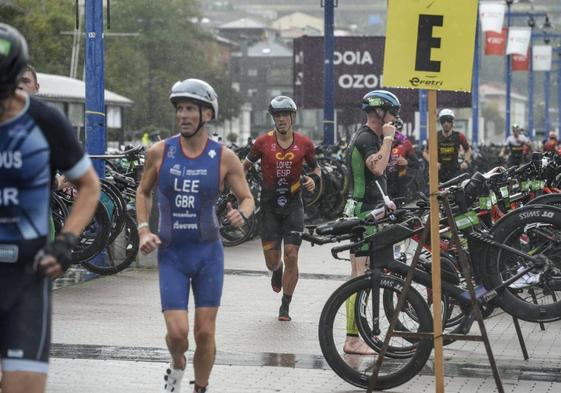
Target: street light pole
{"type": "Point", "coordinates": [508, 74]}
{"type": "Point", "coordinates": [475, 88]}
{"type": "Point", "coordinates": [95, 86]}
{"type": "Point", "coordinates": [328, 107]}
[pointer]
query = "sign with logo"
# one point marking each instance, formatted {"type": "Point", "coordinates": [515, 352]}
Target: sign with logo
{"type": "Point", "coordinates": [542, 57]}
{"type": "Point", "coordinates": [518, 40]}
{"type": "Point", "coordinates": [491, 15]}
{"type": "Point", "coordinates": [358, 65]}
{"type": "Point", "coordinates": [430, 44]}
{"type": "Point", "coordinates": [520, 62]}
{"type": "Point", "coordinates": [495, 43]}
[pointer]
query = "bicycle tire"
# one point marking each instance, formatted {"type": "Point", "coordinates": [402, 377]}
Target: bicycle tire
{"type": "Point", "coordinates": [119, 253]}
{"type": "Point", "coordinates": [393, 372]}
{"type": "Point", "coordinates": [546, 199]}
{"type": "Point", "coordinates": [94, 237]}
{"type": "Point", "coordinates": [498, 264]}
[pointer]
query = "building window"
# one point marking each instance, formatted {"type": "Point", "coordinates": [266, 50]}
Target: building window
{"type": "Point", "coordinates": [252, 72]}
{"type": "Point", "coordinates": [251, 92]}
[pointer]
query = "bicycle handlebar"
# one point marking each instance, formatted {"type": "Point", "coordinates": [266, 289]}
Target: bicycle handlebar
{"type": "Point", "coordinates": [455, 180]}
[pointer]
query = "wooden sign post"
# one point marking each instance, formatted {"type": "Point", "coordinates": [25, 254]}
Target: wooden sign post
{"type": "Point", "coordinates": [430, 45]}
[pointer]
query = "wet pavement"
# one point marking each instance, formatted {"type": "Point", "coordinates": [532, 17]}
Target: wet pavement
{"type": "Point", "coordinates": [108, 336]}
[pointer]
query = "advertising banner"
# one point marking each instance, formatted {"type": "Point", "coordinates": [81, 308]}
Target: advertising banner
{"type": "Point", "coordinates": [358, 65]}
{"type": "Point", "coordinates": [495, 43]}
{"type": "Point", "coordinates": [541, 60]}
{"type": "Point", "coordinates": [491, 16]}
{"type": "Point", "coordinates": [518, 40]}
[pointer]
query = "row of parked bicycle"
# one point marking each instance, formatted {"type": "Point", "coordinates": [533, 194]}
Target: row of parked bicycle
{"type": "Point", "coordinates": [504, 224]}
{"type": "Point", "coordinates": [109, 244]}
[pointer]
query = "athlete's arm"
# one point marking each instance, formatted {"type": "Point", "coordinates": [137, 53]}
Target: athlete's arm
{"type": "Point", "coordinates": [83, 208]}
{"type": "Point", "coordinates": [84, 204]}
{"type": "Point", "coordinates": [467, 150]}
{"type": "Point", "coordinates": [253, 156]}
{"type": "Point", "coordinates": [235, 178]}
{"type": "Point", "coordinates": [148, 240]}
{"type": "Point", "coordinates": [378, 161]}
{"type": "Point", "coordinates": [310, 157]}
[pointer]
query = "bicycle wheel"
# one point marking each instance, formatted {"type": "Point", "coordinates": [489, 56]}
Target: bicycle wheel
{"type": "Point", "coordinates": [356, 369]}
{"type": "Point", "coordinates": [547, 199]}
{"type": "Point", "coordinates": [119, 254]}
{"type": "Point", "coordinates": [535, 230]}
{"type": "Point", "coordinates": [232, 236]}
{"type": "Point", "coordinates": [94, 237]}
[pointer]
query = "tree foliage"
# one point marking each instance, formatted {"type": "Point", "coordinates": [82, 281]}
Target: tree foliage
{"type": "Point", "coordinates": [168, 47]}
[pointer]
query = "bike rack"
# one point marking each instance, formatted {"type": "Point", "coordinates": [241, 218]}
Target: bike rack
{"type": "Point", "coordinates": [464, 264]}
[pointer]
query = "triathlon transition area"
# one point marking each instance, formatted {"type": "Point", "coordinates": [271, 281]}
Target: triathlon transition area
{"type": "Point", "coordinates": [108, 336]}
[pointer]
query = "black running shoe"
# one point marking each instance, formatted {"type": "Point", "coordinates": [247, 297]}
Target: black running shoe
{"type": "Point", "coordinates": [276, 279]}
{"type": "Point", "coordinates": [283, 313]}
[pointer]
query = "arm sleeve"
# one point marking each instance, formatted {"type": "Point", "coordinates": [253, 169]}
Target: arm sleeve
{"type": "Point", "coordinates": [67, 155]}
{"type": "Point", "coordinates": [463, 141]}
{"type": "Point", "coordinates": [366, 145]}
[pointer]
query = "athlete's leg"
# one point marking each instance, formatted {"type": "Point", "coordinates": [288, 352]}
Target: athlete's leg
{"type": "Point", "coordinates": [174, 296]}
{"type": "Point", "coordinates": [290, 276]}
{"type": "Point", "coordinates": [177, 326]}
{"type": "Point", "coordinates": [353, 343]}
{"type": "Point", "coordinates": [25, 333]}
{"type": "Point", "coordinates": [271, 241]}
{"type": "Point", "coordinates": [292, 228]}
{"type": "Point", "coordinates": [23, 382]}
{"type": "Point", "coordinates": [205, 329]}
{"type": "Point", "coordinates": [359, 260]}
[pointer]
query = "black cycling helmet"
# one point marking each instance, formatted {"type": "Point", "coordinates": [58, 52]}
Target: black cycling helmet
{"type": "Point", "coordinates": [282, 104]}
{"type": "Point", "coordinates": [13, 58]}
{"type": "Point", "coordinates": [382, 99]}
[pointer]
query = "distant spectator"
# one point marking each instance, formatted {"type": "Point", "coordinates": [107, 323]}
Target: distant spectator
{"type": "Point", "coordinates": [551, 143]}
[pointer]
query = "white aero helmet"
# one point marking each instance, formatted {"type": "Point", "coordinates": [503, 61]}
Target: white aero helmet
{"type": "Point", "coordinates": [446, 115]}
{"type": "Point", "coordinates": [282, 104]}
{"type": "Point", "coordinates": [196, 90]}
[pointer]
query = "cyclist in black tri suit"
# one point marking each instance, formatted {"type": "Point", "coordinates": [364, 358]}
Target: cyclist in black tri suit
{"type": "Point", "coordinates": [368, 155]}
{"type": "Point", "coordinates": [449, 144]}
{"type": "Point", "coordinates": [35, 141]}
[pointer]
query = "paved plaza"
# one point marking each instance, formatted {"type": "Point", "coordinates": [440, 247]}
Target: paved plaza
{"type": "Point", "coordinates": [108, 337]}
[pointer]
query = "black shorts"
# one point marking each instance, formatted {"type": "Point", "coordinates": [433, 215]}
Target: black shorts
{"type": "Point", "coordinates": [25, 320]}
{"type": "Point", "coordinates": [276, 227]}
{"type": "Point", "coordinates": [448, 172]}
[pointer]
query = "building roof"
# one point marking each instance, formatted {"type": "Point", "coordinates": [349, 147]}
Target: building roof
{"type": "Point", "coordinates": [268, 48]}
{"type": "Point", "coordinates": [63, 88]}
{"type": "Point", "coordinates": [298, 20]}
{"type": "Point", "coordinates": [491, 89]}
{"type": "Point", "coordinates": [243, 23]}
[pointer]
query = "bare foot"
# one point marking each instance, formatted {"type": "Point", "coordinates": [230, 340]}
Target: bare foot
{"type": "Point", "coordinates": [355, 346]}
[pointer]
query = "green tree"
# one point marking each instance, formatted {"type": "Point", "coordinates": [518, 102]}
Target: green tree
{"type": "Point", "coordinates": [42, 24]}
{"type": "Point", "coordinates": [168, 48]}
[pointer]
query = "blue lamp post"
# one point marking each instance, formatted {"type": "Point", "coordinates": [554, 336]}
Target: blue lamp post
{"type": "Point", "coordinates": [508, 71]}
{"type": "Point", "coordinates": [95, 87]}
{"type": "Point", "coordinates": [328, 106]}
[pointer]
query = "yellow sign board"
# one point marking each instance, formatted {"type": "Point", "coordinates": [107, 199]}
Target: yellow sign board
{"type": "Point", "coordinates": [430, 44]}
